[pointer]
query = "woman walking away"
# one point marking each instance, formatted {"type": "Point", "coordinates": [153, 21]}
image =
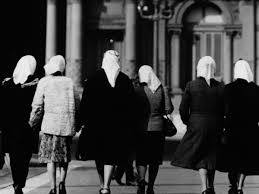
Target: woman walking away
{"type": "Point", "coordinates": [241, 111]}
{"type": "Point", "coordinates": [55, 99]}
{"type": "Point", "coordinates": [107, 110]}
{"type": "Point", "coordinates": [201, 109]}
{"type": "Point", "coordinates": [153, 103]}
{"type": "Point", "coordinates": [16, 97]}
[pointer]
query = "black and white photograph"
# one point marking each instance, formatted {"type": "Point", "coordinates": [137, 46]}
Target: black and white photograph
{"type": "Point", "coordinates": [129, 97]}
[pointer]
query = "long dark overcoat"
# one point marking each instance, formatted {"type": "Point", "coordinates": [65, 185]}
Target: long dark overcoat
{"type": "Point", "coordinates": [201, 109]}
{"type": "Point", "coordinates": [14, 116]}
{"type": "Point", "coordinates": [108, 116]}
{"type": "Point", "coordinates": [242, 117]}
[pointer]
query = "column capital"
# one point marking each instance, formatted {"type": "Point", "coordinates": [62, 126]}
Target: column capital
{"type": "Point", "coordinates": [131, 1]}
{"type": "Point", "coordinates": [233, 30]}
{"type": "Point", "coordinates": [51, 1]}
{"type": "Point", "coordinates": [74, 2]}
{"type": "Point", "coordinates": [176, 32]}
{"type": "Point", "coordinates": [234, 33]}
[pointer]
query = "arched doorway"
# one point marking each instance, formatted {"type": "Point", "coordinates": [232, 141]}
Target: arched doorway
{"type": "Point", "coordinates": [202, 34]}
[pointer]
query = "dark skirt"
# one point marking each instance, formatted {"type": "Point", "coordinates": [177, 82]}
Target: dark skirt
{"type": "Point", "coordinates": [55, 149]}
{"type": "Point", "coordinates": [238, 153]}
{"type": "Point", "coordinates": [198, 148]}
{"type": "Point", "coordinates": [150, 148]}
{"type": "Point", "coordinates": [107, 147]}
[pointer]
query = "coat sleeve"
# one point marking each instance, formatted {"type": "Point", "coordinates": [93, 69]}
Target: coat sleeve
{"type": "Point", "coordinates": [227, 112]}
{"type": "Point", "coordinates": [82, 109]}
{"type": "Point", "coordinates": [169, 108]}
{"type": "Point", "coordinates": [37, 106]}
{"type": "Point", "coordinates": [185, 105]}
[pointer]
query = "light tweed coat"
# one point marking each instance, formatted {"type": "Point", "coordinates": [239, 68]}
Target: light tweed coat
{"type": "Point", "coordinates": [54, 99]}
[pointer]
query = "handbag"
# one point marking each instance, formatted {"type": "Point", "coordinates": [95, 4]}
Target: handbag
{"type": "Point", "coordinates": [169, 127]}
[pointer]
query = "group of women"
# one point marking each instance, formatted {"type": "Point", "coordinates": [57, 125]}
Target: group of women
{"type": "Point", "coordinates": [222, 126]}
{"type": "Point", "coordinates": [118, 120]}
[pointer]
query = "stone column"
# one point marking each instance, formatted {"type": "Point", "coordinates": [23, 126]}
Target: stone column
{"type": "Point", "coordinates": [51, 28]}
{"type": "Point", "coordinates": [130, 38]}
{"type": "Point", "coordinates": [228, 58]}
{"type": "Point", "coordinates": [175, 61]}
{"type": "Point", "coordinates": [74, 42]}
{"type": "Point", "coordinates": [68, 31]}
{"type": "Point", "coordinates": [162, 51]}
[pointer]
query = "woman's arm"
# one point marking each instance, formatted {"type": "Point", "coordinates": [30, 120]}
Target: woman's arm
{"type": "Point", "coordinates": [169, 108]}
{"type": "Point", "coordinates": [185, 105]}
{"type": "Point", "coordinates": [37, 106]}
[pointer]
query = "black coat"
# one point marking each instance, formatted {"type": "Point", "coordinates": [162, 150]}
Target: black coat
{"type": "Point", "coordinates": [15, 112]}
{"type": "Point", "coordinates": [242, 117]}
{"type": "Point", "coordinates": [201, 109]}
{"type": "Point", "coordinates": [108, 114]}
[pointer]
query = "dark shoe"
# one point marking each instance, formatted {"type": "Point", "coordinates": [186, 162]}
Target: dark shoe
{"type": "Point", "coordinates": [119, 182]}
{"type": "Point", "coordinates": [62, 188]}
{"type": "Point", "coordinates": [131, 183]}
{"type": "Point", "coordinates": [150, 190]}
{"type": "Point", "coordinates": [207, 191]}
{"type": "Point", "coordinates": [239, 191]}
{"type": "Point", "coordinates": [232, 190]}
{"type": "Point", "coordinates": [211, 191]}
{"type": "Point", "coordinates": [18, 191]}
{"type": "Point", "coordinates": [105, 191]}
{"type": "Point", "coordinates": [141, 187]}
{"type": "Point", "coordinates": [53, 191]}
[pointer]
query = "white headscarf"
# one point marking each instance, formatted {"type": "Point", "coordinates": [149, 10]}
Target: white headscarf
{"type": "Point", "coordinates": [242, 70]}
{"type": "Point", "coordinates": [56, 63]}
{"type": "Point", "coordinates": [111, 66]}
{"type": "Point", "coordinates": [147, 75]}
{"type": "Point", "coordinates": [26, 66]}
{"type": "Point", "coordinates": [206, 68]}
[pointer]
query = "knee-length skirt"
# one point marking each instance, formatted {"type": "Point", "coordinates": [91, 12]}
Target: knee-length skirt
{"type": "Point", "coordinates": [55, 149]}
{"type": "Point", "coordinates": [198, 148]}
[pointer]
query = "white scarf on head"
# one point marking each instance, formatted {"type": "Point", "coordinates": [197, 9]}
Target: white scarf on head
{"type": "Point", "coordinates": [147, 75]}
{"type": "Point", "coordinates": [206, 68]}
{"type": "Point", "coordinates": [56, 63]}
{"type": "Point", "coordinates": [26, 66]}
{"type": "Point", "coordinates": [242, 70]}
{"type": "Point", "coordinates": [111, 66]}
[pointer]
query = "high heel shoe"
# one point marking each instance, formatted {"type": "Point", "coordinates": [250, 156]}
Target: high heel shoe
{"type": "Point", "coordinates": [150, 190]}
{"type": "Point", "coordinates": [239, 191]}
{"type": "Point", "coordinates": [53, 191]}
{"type": "Point", "coordinates": [18, 191]}
{"type": "Point", "coordinates": [211, 190]}
{"type": "Point", "coordinates": [62, 188]}
{"type": "Point", "coordinates": [232, 190]}
{"type": "Point", "coordinates": [105, 191]}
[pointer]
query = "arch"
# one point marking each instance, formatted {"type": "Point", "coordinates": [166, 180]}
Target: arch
{"type": "Point", "coordinates": [182, 8]}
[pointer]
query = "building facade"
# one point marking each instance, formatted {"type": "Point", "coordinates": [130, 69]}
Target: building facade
{"type": "Point", "coordinates": [223, 29]}
{"type": "Point", "coordinates": [82, 30]}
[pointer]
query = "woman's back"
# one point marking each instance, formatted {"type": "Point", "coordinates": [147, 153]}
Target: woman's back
{"type": "Point", "coordinates": [202, 99]}
{"type": "Point", "coordinates": [152, 107]}
{"type": "Point", "coordinates": [55, 95]}
{"type": "Point", "coordinates": [242, 102]}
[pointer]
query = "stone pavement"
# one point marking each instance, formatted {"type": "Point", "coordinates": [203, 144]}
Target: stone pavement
{"type": "Point", "coordinates": [82, 179]}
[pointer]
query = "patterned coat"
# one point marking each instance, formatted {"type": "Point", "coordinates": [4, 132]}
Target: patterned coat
{"type": "Point", "coordinates": [54, 100]}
